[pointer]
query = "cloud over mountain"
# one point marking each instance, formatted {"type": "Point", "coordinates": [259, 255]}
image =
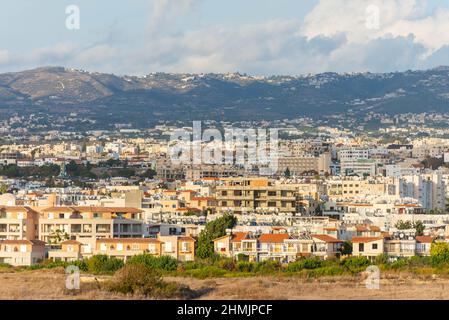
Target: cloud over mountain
{"type": "Point", "coordinates": [333, 37]}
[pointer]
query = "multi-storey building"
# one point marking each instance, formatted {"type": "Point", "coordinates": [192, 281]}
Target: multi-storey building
{"type": "Point", "coordinates": [86, 224]}
{"type": "Point", "coordinates": [18, 223]}
{"type": "Point", "coordinates": [244, 195]}
{"type": "Point", "coordinates": [281, 247]}
{"type": "Point", "coordinates": [299, 165]}
{"type": "Point", "coordinates": [22, 252]}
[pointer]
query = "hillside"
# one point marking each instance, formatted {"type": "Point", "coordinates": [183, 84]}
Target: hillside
{"type": "Point", "coordinates": [231, 97]}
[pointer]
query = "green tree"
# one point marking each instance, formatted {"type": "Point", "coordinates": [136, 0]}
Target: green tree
{"type": "Point", "coordinates": [404, 225]}
{"type": "Point", "coordinates": [346, 248]}
{"type": "Point", "coordinates": [287, 173]}
{"type": "Point", "coordinates": [3, 188]}
{"type": "Point", "coordinates": [439, 253]}
{"type": "Point", "coordinates": [214, 229]}
{"type": "Point", "coordinates": [419, 227]}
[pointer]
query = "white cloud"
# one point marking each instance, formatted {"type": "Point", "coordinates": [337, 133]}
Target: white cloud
{"type": "Point", "coordinates": [164, 11]}
{"type": "Point", "coordinates": [333, 37]}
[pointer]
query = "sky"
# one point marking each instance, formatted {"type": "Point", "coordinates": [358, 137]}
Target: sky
{"type": "Point", "coordinates": [258, 37]}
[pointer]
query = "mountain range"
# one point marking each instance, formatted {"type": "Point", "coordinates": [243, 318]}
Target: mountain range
{"type": "Point", "coordinates": [232, 97]}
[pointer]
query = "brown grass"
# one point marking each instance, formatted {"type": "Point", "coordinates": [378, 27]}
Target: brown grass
{"type": "Point", "coordinates": [50, 284]}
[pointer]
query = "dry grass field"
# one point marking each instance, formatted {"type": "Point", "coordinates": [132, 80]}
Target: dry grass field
{"type": "Point", "coordinates": [50, 284]}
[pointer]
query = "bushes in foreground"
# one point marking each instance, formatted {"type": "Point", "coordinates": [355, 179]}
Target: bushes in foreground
{"type": "Point", "coordinates": [102, 264]}
{"type": "Point", "coordinates": [139, 279]}
{"type": "Point", "coordinates": [164, 263]}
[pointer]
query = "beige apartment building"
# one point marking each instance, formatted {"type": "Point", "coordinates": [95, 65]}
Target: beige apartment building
{"type": "Point", "coordinates": [18, 223]}
{"type": "Point", "coordinates": [70, 250]}
{"type": "Point", "coordinates": [179, 247]}
{"type": "Point", "coordinates": [86, 224]}
{"type": "Point", "coordinates": [22, 252]}
{"type": "Point", "coordinates": [350, 188]}
{"type": "Point", "coordinates": [279, 247]}
{"type": "Point", "coordinates": [126, 248]}
{"type": "Point", "coordinates": [246, 195]}
{"type": "Point", "coordinates": [298, 165]}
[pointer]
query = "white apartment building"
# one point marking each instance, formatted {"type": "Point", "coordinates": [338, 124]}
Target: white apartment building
{"type": "Point", "coordinates": [428, 189]}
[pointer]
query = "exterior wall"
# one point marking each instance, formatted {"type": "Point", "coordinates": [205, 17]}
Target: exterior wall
{"type": "Point", "coordinates": [21, 254]}
{"type": "Point", "coordinates": [248, 195]}
{"type": "Point", "coordinates": [369, 249]}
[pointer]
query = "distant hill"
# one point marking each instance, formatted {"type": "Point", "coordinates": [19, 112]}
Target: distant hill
{"type": "Point", "coordinates": [232, 97]}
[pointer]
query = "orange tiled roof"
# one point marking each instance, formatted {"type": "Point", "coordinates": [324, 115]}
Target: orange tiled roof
{"type": "Point", "coordinates": [365, 239]}
{"type": "Point", "coordinates": [32, 242]}
{"type": "Point", "coordinates": [273, 238]}
{"type": "Point", "coordinates": [128, 240]}
{"type": "Point", "coordinates": [424, 239]}
{"type": "Point", "coordinates": [239, 236]}
{"type": "Point", "coordinates": [326, 238]}
{"type": "Point", "coordinates": [186, 239]}
{"type": "Point", "coordinates": [71, 242]}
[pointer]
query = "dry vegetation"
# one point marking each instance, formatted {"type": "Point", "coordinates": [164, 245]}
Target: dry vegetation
{"type": "Point", "coordinates": [50, 284]}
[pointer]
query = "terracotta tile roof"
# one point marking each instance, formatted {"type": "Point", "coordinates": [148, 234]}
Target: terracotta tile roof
{"type": "Point", "coordinates": [239, 236]}
{"type": "Point", "coordinates": [367, 228]}
{"type": "Point", "coordinates": [186, 239]}
{"type": "Point", "coordinates": [74, 242]}
{"type": "Point", "coordinates": [365, 239]}
{"type": "Point", "coordinates": [424, 239]}
{"type": "Point", "coordinates": [59, 209]}
{"type": "Point", "coordinates": [17, 209]}
{"type": "Point", "coordinates": [203, 198]}
{"type": "Point", "coordinates": [273, 238]}
{"type": "Point", "coordinates": [128, 240]}
{"type": "Point", "coordinates": [326, 238]}
{"type": "Point", "coordinates": [32, 242]}
{"type": "Point", "coordinates": [107, 209]}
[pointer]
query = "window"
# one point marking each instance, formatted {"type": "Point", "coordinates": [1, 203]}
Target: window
{"type": "Point", "coordinates": [168, 247]}
{"type": "Point", "coordinates": [61, 216]}
{"type": "Point", "coordinates": [185, 247]}
{"type": "Point", "coordinates": [374, 246]}
{"type": "Point", "coordinates": [361, 247]}
{"type": "Point", "coordinates": [103, 247]}
{"type": "Point", "coordinates": [119, 247]}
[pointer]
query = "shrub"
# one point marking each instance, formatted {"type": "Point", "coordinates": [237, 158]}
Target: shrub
{"type": "Point", "coordinates": [439, 253]}
{"type": "Point", "coordinates": [244, 266]}
{"type": "Point", "coordinates": [102, 264]}
{"type": "Point", "coordinates": [4, 266]}
{"type": "Point", "coordinates": [356, 264]}
{"type": "Point", "coordinates": [399, 263]}
{"type": "Point", "coordinates": [142, 280]}
{"type": "Point", "coordinates": [325, 271]}
{"type": "Point", "coordinates": [163, 263]}
{"type": "Point", "coordinates": [242, 257]}
{"type": "Point", "coordinates": [417, 261]}
{"type": "Point", "coordinates": [267, 266]}
{"type": "Point", "coordinates": [308, 263]}
{"type": "Point", "coordinates": [226, 264]}
{"type": "Point", "coordinates": [206, 272]}
{"type": "Point", "coordinates": [381, 259]}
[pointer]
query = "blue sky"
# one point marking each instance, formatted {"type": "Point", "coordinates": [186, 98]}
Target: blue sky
{"type": "Point", "coordinates": [254, 36]}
